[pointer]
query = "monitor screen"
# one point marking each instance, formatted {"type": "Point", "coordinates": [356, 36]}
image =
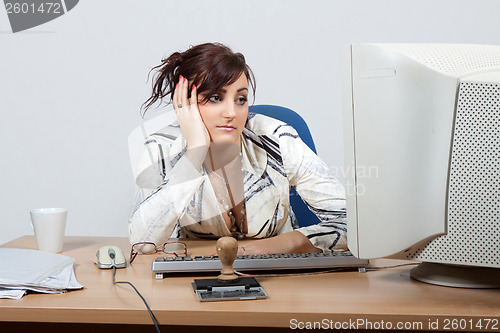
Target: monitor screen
{"type": "Point", "coordinates": [421, 136]}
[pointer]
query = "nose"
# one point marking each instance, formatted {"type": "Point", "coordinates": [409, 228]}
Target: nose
{"type": "Point", "coordinates": [229, 110]}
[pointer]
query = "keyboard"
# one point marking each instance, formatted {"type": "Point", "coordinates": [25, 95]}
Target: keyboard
{"type": "Point", "coordinates": [287, 261]}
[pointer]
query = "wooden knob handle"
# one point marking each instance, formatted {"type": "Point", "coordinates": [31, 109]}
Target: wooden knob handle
{"type": "Point", "coordinates": [227, 249]}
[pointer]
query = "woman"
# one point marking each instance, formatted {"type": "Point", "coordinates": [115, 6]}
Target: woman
{"type": "Point", "coordinates": [229, 172]}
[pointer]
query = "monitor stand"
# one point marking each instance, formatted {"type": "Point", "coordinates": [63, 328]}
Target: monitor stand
{"type": "Point", "coordinates": [457, 276]}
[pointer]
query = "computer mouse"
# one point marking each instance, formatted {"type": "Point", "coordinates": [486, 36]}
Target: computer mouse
{"type": "Point", "coordinates": [109, 256]}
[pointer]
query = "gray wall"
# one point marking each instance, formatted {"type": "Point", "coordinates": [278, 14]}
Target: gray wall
{"type": "Point", "coordinates": [70, 90]}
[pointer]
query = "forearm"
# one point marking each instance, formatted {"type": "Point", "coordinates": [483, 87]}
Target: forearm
{"type": "Point", "coordinates": [290, 242]}
{"type": "Point", "coordinates": [154, 217]}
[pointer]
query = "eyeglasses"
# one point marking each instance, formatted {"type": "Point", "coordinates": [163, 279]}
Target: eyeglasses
{"type": "Point", "coordinates": [176, 249]}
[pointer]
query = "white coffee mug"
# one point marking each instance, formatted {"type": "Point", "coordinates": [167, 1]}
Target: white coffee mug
{"type": "Point", "coordinates": [49, 225]}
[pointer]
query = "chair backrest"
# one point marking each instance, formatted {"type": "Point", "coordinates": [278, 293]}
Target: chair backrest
{"type": "Point", "coordinates": [166, 124]}
{"type": "Point", "coordinates": [288, 116]}
{"type": "Point", "coordinates": [304, 215]}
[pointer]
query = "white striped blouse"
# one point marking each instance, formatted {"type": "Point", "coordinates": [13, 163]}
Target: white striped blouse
{"type": "Point", "coordinates": [174, 198]}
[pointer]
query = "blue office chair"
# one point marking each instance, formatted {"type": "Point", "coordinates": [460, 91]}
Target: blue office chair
{"type": "Point", "coordinates": [304, 216]}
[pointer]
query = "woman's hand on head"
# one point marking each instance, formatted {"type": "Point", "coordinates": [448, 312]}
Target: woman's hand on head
{"type": "Point", "coordinates": [193, 129]}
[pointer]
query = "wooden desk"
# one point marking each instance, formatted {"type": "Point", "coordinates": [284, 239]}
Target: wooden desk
{"type": "Point", "coordinates": [368, 300]}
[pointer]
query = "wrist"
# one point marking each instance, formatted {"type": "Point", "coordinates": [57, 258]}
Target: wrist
{"type": "Point", "coordinates": [197, 155]}
{"type": "Point", "coordinates": [201, 146]}
{"type": "Point", "coordinates": [302, 243]}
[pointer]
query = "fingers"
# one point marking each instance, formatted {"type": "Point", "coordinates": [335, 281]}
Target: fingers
{"type": "Point", "coordinates": [180, 94]}
{"type": "Point", "coordinates": [189, 118]}
{"type": "Point", "coordinates": [183, 96]}
{"type": "Point", "coordinates": [194, 96]}
{"type": "Point", "coordinates": [175, 98]}
{"type": "Point", "coordinates": [180, 98]}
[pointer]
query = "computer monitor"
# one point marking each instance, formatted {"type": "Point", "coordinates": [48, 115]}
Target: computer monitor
{"type": "Point", "coordinates": [422, 146]}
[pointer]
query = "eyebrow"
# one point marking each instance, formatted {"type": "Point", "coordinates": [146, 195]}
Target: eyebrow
{"type": "Point", "coordinates": [239, 90]}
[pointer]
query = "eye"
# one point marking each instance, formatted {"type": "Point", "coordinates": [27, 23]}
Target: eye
{"type": "Point", "coordinates": [215, 98]}
{"type": "Point", "coordinates": [241, 100]}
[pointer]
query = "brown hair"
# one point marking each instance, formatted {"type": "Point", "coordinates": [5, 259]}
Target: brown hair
{"type": "Point", "coordinates": [209, 66]}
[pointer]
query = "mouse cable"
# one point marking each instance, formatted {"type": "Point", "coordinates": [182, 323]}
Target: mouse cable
{"type": "Point", "coordinates": [155, 322]}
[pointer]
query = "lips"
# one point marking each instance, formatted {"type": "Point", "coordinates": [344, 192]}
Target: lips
{"type": "Point", "coordinates": [226, 128]}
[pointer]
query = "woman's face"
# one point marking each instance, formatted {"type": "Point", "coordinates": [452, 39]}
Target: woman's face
{"type": "Point", "coordinates": [225, 113]}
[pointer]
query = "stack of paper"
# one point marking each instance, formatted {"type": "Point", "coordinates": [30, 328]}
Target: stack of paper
{"type": "Point", "coordinates": [22, 270]}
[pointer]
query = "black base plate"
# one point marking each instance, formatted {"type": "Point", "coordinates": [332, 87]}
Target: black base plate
{"type": "Point", "coordinates": [246, 288]}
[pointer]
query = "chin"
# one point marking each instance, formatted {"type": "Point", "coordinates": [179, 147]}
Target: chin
{"type": "Point", "coordinates": [225, 142]}
{"type": "Point", "coordinates": [226, 138]}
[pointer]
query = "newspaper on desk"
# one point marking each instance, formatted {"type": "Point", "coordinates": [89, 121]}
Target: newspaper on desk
{"type": "Point", "coordinates": [22, 270]}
